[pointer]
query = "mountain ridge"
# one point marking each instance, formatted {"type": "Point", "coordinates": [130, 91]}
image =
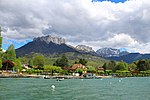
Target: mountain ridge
{"type": "Point", "coordinates": [47, 45]}
{"type": "Point", "coordinates": [131, 57]}
{"type": "Point", "coordinates": [110, 52]}
{"type": "Point", "coordinates": [43, 48]}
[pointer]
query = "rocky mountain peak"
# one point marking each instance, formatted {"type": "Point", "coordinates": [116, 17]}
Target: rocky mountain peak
{"type": "Point", "coordinates": [84, 48]}
{"type": "Point", "coordinates": [49, 38]}
{"type": "Point", "coordinates": [110, 52]}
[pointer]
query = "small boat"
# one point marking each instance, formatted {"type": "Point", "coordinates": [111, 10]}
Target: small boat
{"type": "Point", "coordinates": [59, 79]}
{"type": "Point", "coordinates": [46, 77]}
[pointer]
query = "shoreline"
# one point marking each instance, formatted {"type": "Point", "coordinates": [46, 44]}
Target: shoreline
{"type": "Point", "coordinates": [49, 77]}
{"type": "Point", "coordinates": [59, 77]}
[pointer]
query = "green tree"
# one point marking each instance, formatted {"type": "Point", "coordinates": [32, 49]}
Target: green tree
{"type": "Point", "coordinates": [132, 66]}
{"type": "Point", "coordinates": [80, 71]}
{"type": "Point", "coordinates": [39, 61]}
{"type": "Point", "coordinates": [52, 69]}
{"type": "Point", "coordinates": [82, 61]}
{"type": "Point", "coordinates": [123, 66]}
{"type": "Point", "coordinates": [111, 65]}
{"type": "Point", "coordinates": [30, 62]}
{"type": "Point", "coordinates": [104, 66]}
{"type": "Point", "coordinates": [0, 44]}
{"type": "Point", "coordinates": [24, 60]}
{"type": "Point", "coordinates": [18, 65]}
{"type": "Point", "coordinates": [91, 69]}
{"type": "Point", "coordinates": [62, 62]}
{"type": "Point", "coordinates": [75, 62]}
{"type": "Point", "coordinates": [143, 65]}
{"type": "Point", "coordinates": [0, 63]}
{"type": "Point", "coordinates": [10, 53]}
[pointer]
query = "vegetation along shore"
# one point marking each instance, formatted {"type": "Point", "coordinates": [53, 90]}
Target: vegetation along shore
{"type": "Point", "coordinates": [64, 64]}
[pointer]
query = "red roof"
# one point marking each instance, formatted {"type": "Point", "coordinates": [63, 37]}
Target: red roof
{"type": "Point", "coordinates": [75, 66]}
{"type": "Point", "coordinates": [8, 61]}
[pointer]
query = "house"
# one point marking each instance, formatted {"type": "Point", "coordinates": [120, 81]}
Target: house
{"type": "Point", "coordinates": [7, 65]}
{"type": "Point", "coordinates": [76, 66]}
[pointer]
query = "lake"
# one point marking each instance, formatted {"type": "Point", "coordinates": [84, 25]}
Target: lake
{"type": "Point", "coordinates": [135, 88]}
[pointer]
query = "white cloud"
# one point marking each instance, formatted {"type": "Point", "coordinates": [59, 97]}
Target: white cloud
{"type": "Point", "coordinates": [118, 41]}
{"type": "Point", "coordinates": [79, 21]}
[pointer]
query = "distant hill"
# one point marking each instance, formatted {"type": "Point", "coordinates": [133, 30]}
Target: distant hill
{"type": "Point", "coordinates": [72, 57]}
{"type": "Point", "coordinates": [129, 58]}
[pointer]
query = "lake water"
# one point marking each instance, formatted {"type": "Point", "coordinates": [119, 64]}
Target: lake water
{"type": "Point", "coordinates": [75, 89]}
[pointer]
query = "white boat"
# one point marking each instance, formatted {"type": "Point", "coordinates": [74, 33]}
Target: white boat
{"type": "Point", "coordinates": [46, 77]}
{"type": "Point", "coordinates": [59, 79]}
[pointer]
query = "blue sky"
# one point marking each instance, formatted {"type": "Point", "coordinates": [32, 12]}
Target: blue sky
{"type": "Point", "coordinates": [116, 1]}
{"type": "Point", "coordinates": [96, 24]}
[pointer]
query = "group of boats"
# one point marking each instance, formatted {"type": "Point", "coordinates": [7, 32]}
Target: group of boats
{"type": "Point", "coordinates": [57, 78]}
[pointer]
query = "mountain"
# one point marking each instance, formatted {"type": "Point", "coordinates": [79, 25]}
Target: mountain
{"type": "Point", "coordinates": [84, 48]}
{"type": "Point", "coordinates": [110, 52]}
{"type": "Point", "coordinates": [129, 58]}
{"type": "Point", "coordinates": [49, 38]}
{"type": "Point", "coordinates": [45, 45]}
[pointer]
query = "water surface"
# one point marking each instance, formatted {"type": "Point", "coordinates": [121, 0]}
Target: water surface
{"type": "Point", "coordinates": [75, 89]}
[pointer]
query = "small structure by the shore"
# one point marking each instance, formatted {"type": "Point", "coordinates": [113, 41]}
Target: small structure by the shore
{"type": "Point", "coordinates": [7, 65]}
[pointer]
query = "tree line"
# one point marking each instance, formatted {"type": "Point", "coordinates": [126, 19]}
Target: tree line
{"type": "Point", "coordinates": [40, 63]}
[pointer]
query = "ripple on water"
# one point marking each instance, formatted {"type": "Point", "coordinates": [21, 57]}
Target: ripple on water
{"type": "Point", "coordinates": [75, 89]}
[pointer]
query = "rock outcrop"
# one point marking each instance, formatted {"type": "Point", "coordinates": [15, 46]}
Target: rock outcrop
{"type": "Point", "coordinates": [84, 48]}
{"type": "Point", "coordinates": [110, 52]}
{"type": "Point", "coordinates": [49, 38]}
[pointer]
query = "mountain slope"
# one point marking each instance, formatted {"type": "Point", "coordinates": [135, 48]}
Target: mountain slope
{"type": "Point", "coordinates": [86, 50]}
{"type": "Point", "coordinates": [110, 52]}
{"type": "Point", "coordinates": [43, 48]}
{"type": "Point", "coordinates": [129, 58]}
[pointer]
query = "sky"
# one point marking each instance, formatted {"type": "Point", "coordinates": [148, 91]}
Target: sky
{"type": "Point", "coordinates": [96, 23]}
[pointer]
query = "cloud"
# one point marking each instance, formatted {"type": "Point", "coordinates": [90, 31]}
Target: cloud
{"type": "Point", "coordinates": [79, 21]}
{"type": "Point", "coordinates": [116, 41]}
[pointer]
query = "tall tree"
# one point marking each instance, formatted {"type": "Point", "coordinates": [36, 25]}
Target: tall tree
{"type": "Point", "coordinates": [18, 65]}
{"type": "Point", "coordinates": [104, 66]}
{"type": "Point", "coordinates": [10, 53]}
{"type": "Point", "coordinates": [30, 62]}
{"type": "Point", "coordinates": [52, 69]}
{"type": "Point", "coordinates": [62, 62]}
{"type": "Point", "coordinates": [91, 69]}
{"type": "Point", "coordinates": [132, 67]}
{"type": "Point", "coordinates": [111, 65]}
{"type": "Point", "coordinates": [121, 66]}
{"type": "Point", "coordinates": [82, 61]}
{"type": "Point", "coordinates": [0, 63]}
{"type": "Point", "coordinates": [39, 61]}
{"type": "Point", "coordinates": [143, 65]}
